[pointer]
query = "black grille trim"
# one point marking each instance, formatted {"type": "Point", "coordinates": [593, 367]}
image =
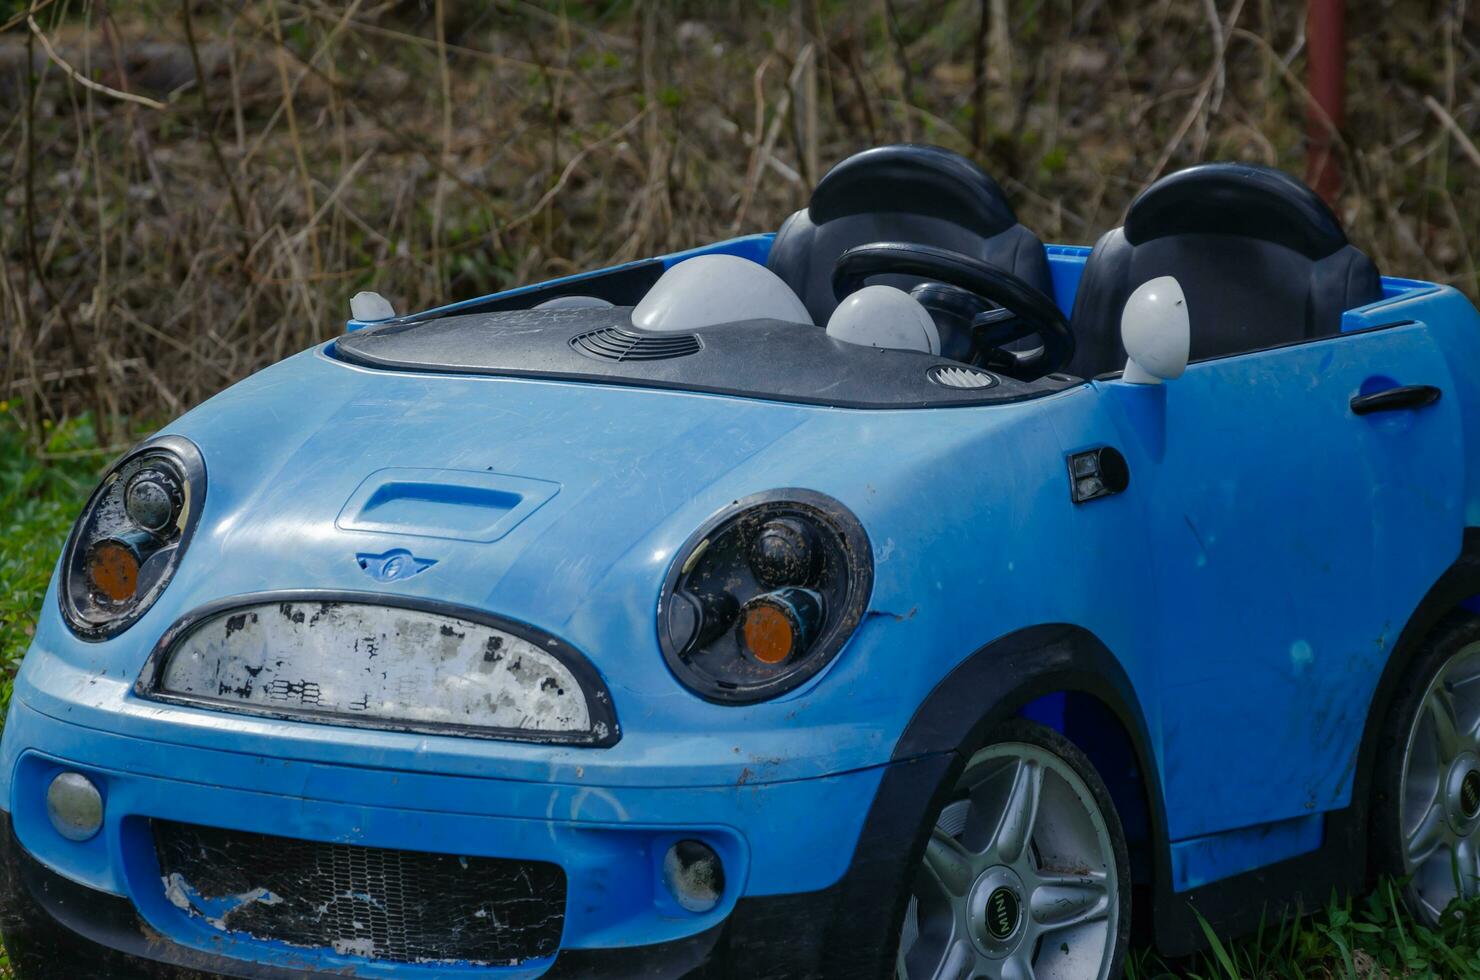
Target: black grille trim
{"type": "Point", "coordinates": [616, 344]}
{"type": "Point", "coordinates": [378, 903]}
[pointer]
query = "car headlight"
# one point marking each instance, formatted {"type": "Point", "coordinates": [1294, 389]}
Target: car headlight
{"type": "Point", "coordinates": [764, 595]}
{"type": "Point", "coordinates": [128, 542]}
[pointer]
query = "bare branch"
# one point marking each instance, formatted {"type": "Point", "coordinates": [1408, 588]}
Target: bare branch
{"type": "Point", "coordinates": [83, 80]}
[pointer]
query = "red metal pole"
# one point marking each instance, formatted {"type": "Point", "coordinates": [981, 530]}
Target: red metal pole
{"type": "Point", "coordinates": [1326, 64]}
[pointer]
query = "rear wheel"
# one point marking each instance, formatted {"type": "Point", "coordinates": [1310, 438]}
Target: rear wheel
{"type": "Point", "coordinates": [1426, 818]}
{"type": "Point", "coordinates": [1025, 875]}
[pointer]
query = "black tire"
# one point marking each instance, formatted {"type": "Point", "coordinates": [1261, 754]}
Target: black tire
{"type": "Point", "coordinates": [1455, 634]}
{"type": "Point", "coordinates": [1019, 732]}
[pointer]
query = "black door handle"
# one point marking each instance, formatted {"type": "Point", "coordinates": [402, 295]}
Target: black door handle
{"type": "Point", "coordinates": [1395, 399]}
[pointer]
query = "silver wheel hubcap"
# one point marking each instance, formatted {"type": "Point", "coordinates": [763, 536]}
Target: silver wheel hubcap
{"type": "Point", "coordinates": [1018, 880]}
{"type": "Point", "coordinates": [1439, 795]}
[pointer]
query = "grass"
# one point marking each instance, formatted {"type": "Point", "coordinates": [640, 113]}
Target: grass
{"type": "Point", "coordinates": [1373, 938]}
{"type": "Point", "coordinates": [42, 490]}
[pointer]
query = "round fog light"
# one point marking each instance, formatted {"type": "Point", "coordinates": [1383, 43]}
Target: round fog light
{"type": "Point", "coordinates": [75, 806]}
{"type": "Point", "coordinates": [694, 874]}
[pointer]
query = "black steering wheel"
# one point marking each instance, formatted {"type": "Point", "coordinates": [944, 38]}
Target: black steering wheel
{"type": "Point", "coordinates": [1012, 308]}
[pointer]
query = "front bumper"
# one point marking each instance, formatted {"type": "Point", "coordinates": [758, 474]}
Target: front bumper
{"type": "Point", "coordinates": [812, 865]}
{"type": "Point", "coordinates": [57, 928]}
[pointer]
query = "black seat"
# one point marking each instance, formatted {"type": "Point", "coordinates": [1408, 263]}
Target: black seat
{"type": "Point", "coordinates": [1260, 258]}
{"type": "Point", "coordinates": [922, 195]}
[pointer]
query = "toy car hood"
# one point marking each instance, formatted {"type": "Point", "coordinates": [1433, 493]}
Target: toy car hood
{"type": "Point", "coordinates": [494, 493]}
{"type": "Point", "coordinates": [558, 504]}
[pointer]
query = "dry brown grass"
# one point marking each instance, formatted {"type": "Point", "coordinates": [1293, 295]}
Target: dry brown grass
{"type": "Point", "coordinates": [193, 190]}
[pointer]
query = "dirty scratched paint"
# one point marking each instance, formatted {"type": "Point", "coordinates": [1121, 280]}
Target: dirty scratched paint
{"type": "Point", "coordinates": [387, 663]}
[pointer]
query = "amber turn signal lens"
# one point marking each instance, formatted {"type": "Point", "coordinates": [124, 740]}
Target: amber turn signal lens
{"type": "Point", "coordinates": [780, 626]}
{"type": "Point", "coordinates": [768, 633]}
{"type": "Point", "coordinates": [113, 570]}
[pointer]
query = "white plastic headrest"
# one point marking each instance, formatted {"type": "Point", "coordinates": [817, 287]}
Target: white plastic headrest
{"type": "Point", "coordinates": [882, 316]}
{"type": "Point", "coordinates": [710, 289]}
{"type": "Point", "coordinates": [574, 303]}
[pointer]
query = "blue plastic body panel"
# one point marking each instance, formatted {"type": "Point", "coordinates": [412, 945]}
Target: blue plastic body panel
{"type": "Point", "coordinates": [1207, 859]}
{"type": "Point", "coordinates": [1261, 549]}
{"type": "Point", "coordinates": [1250, 582]}
{"type": "Point", "coordinates": [1065, 267]}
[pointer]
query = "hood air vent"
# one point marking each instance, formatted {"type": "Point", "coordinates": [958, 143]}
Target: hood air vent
{"type": "Point", "coordinates": [616, 344]}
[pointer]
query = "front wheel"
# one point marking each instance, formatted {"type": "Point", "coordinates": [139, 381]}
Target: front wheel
{"type": "Point", "coordinates": [1025, 874]}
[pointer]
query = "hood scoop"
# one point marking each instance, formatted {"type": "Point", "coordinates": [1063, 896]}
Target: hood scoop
{"type": "Point", "coordinates": [457, 505]}
{"type": "Point", "coordinates": [616, 344]}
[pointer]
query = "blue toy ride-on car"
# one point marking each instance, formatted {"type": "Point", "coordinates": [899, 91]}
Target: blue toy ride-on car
{"type": "Point", "coordinates": [893, 595]}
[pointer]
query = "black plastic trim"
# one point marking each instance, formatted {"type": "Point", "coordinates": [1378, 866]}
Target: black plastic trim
{"type": "Point", "coordinates": [831, 516]}
{"type": "Point", "coordinates": [193, 465]}
{"type": "Point", "coordinates": [1236, 199]}
{"type": "Point", "coordinates": [994, 683]}
{"type": "Point", "coordinates": [1396, 399]}
{"type": "Point", "coordinates": [617, 344]}
{"type": "Point", "coordinates": [680, 959]}
{"type": "Point", "coordinates": [915, 178]}
{"type": "Point", "coordinates": [1096, 473]}
{"type": "Point", "coordinates": [598, 696]}
{"type": "Point", "coordinates": [758, 359]}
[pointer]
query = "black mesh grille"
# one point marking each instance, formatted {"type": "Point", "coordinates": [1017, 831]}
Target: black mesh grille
{"type": "Point", "coordinates": [616, 344]}
{"type": "Point", "coordinates": [403, 906]}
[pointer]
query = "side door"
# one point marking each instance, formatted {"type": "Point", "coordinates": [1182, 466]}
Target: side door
{"type": "Point", "coordinates": [1291, 539]}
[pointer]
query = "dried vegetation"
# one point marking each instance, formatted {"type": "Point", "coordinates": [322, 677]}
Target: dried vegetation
{"type": "Point", "coordinates": [193, 190]}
